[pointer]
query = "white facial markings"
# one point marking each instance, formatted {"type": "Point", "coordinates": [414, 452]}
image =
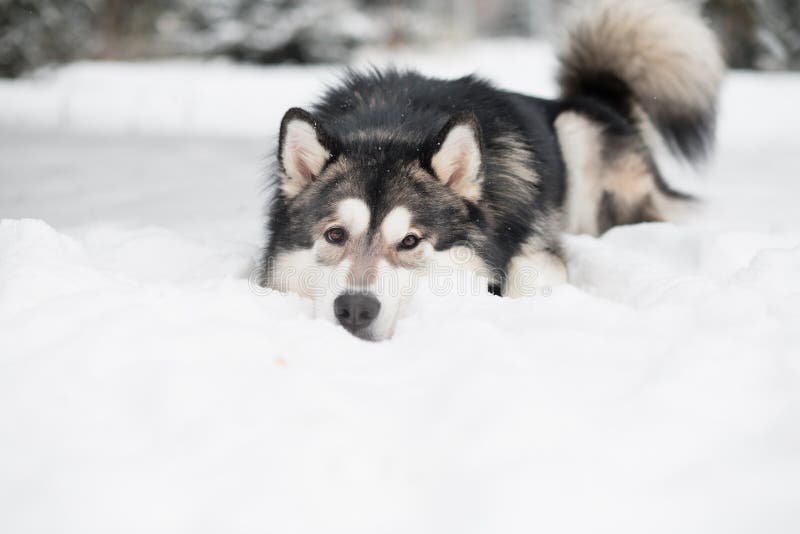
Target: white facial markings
{"type": "Point", "coordinates": [288, 270]}
{"type": "Point", "coordinates": [460, 258]}
{"type": "Point", "coordinates": [355, 215]}
{"type": "Point", "coordinates": [392, 287]}
{"type": "Point", "coordinates": [396, 224]}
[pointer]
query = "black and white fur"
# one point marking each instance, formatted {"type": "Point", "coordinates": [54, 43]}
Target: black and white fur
{"type": "Point", "coordinates": [389, 159]}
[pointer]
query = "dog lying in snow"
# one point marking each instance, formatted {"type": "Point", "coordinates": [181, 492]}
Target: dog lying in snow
{"type": "Point", "coordinates": [393, 172]}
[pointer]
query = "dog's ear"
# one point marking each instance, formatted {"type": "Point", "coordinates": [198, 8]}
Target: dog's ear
{"type": "Point", "coordinates": [304, 148]}
{"type": "Point", "coordinates": [457, 155]}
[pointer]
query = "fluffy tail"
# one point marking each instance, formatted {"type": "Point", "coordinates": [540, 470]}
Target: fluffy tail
{"type": "Point", "coordinates": [652, 55]}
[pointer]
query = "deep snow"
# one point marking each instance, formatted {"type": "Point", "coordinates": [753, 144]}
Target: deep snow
{"type": "Point", "coordinates": [146, 386]}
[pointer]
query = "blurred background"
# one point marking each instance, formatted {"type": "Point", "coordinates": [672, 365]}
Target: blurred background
{"type": "Point", "coordinates": [165, 111]}
{"type": "Point", "coordinates": [757, 34]}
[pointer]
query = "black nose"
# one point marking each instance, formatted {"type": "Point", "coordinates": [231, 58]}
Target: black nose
{"type": "Point", "coordinates": [356, 311]}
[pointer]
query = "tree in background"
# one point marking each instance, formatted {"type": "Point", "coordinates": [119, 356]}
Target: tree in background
{"type": "Point", "coordinates": [736, 24]}
{"type": "Point", "coordinates": [762, 34]}
{"type": "Point", "coordinates": [758, 34]}
{"type": "Point", "coordinates": [265, 31]}
{"type": "Point", "coordinates": [782, 32]}
{"type": "Point", "coordinates": [38, 32]}
{"type": "Point", "coordinates": [123, 31]}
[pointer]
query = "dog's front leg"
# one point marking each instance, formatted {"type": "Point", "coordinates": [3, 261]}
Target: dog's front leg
{"type": "Point", "coordinates": [532, 271]}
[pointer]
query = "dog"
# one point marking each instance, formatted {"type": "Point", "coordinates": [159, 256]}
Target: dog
{"type": "Point", "coordinates": [393, 172]}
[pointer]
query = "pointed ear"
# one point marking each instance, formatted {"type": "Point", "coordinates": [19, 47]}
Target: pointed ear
{"type": "Point", "coordinates": [303, 150]}
{"type": "Point", "coordinates": [457, 156]}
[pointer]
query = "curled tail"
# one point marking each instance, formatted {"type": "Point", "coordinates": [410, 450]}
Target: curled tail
{"type": "Point", "coordinates": [656, 56]}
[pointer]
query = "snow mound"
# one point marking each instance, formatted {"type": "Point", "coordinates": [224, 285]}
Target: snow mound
{"type": "Point", "coordinates": [661, 385]}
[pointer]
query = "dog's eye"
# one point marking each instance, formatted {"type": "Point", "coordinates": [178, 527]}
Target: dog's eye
{"type": "Point", "coordinates": [336, 235]}
{"type": "Point", "coordinates": [409, 242]}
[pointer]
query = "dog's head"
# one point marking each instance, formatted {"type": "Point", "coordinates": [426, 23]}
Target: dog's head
{"type": "Point", "coordinates": [360, 215]}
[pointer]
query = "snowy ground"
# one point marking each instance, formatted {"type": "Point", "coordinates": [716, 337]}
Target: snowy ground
{"type": "Point", "coordinates": [145, 387]}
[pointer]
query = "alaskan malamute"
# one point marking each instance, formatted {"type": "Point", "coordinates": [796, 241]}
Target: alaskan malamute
{"type": "Point", "coordinates": [393, 173]}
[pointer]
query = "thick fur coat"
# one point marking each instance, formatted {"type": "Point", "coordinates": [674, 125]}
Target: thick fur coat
{"type": "Point", "coordinates": [393, 171]}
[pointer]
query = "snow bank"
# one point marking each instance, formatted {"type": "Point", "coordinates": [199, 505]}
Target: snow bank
{"type": "Point", "coordinates": [136, 398]}
{"type": "Point", "coordinates": [146, 386]}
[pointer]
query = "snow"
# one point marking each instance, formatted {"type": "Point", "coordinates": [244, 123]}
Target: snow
{"type": "Point", "coordinates": [147, 386]}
